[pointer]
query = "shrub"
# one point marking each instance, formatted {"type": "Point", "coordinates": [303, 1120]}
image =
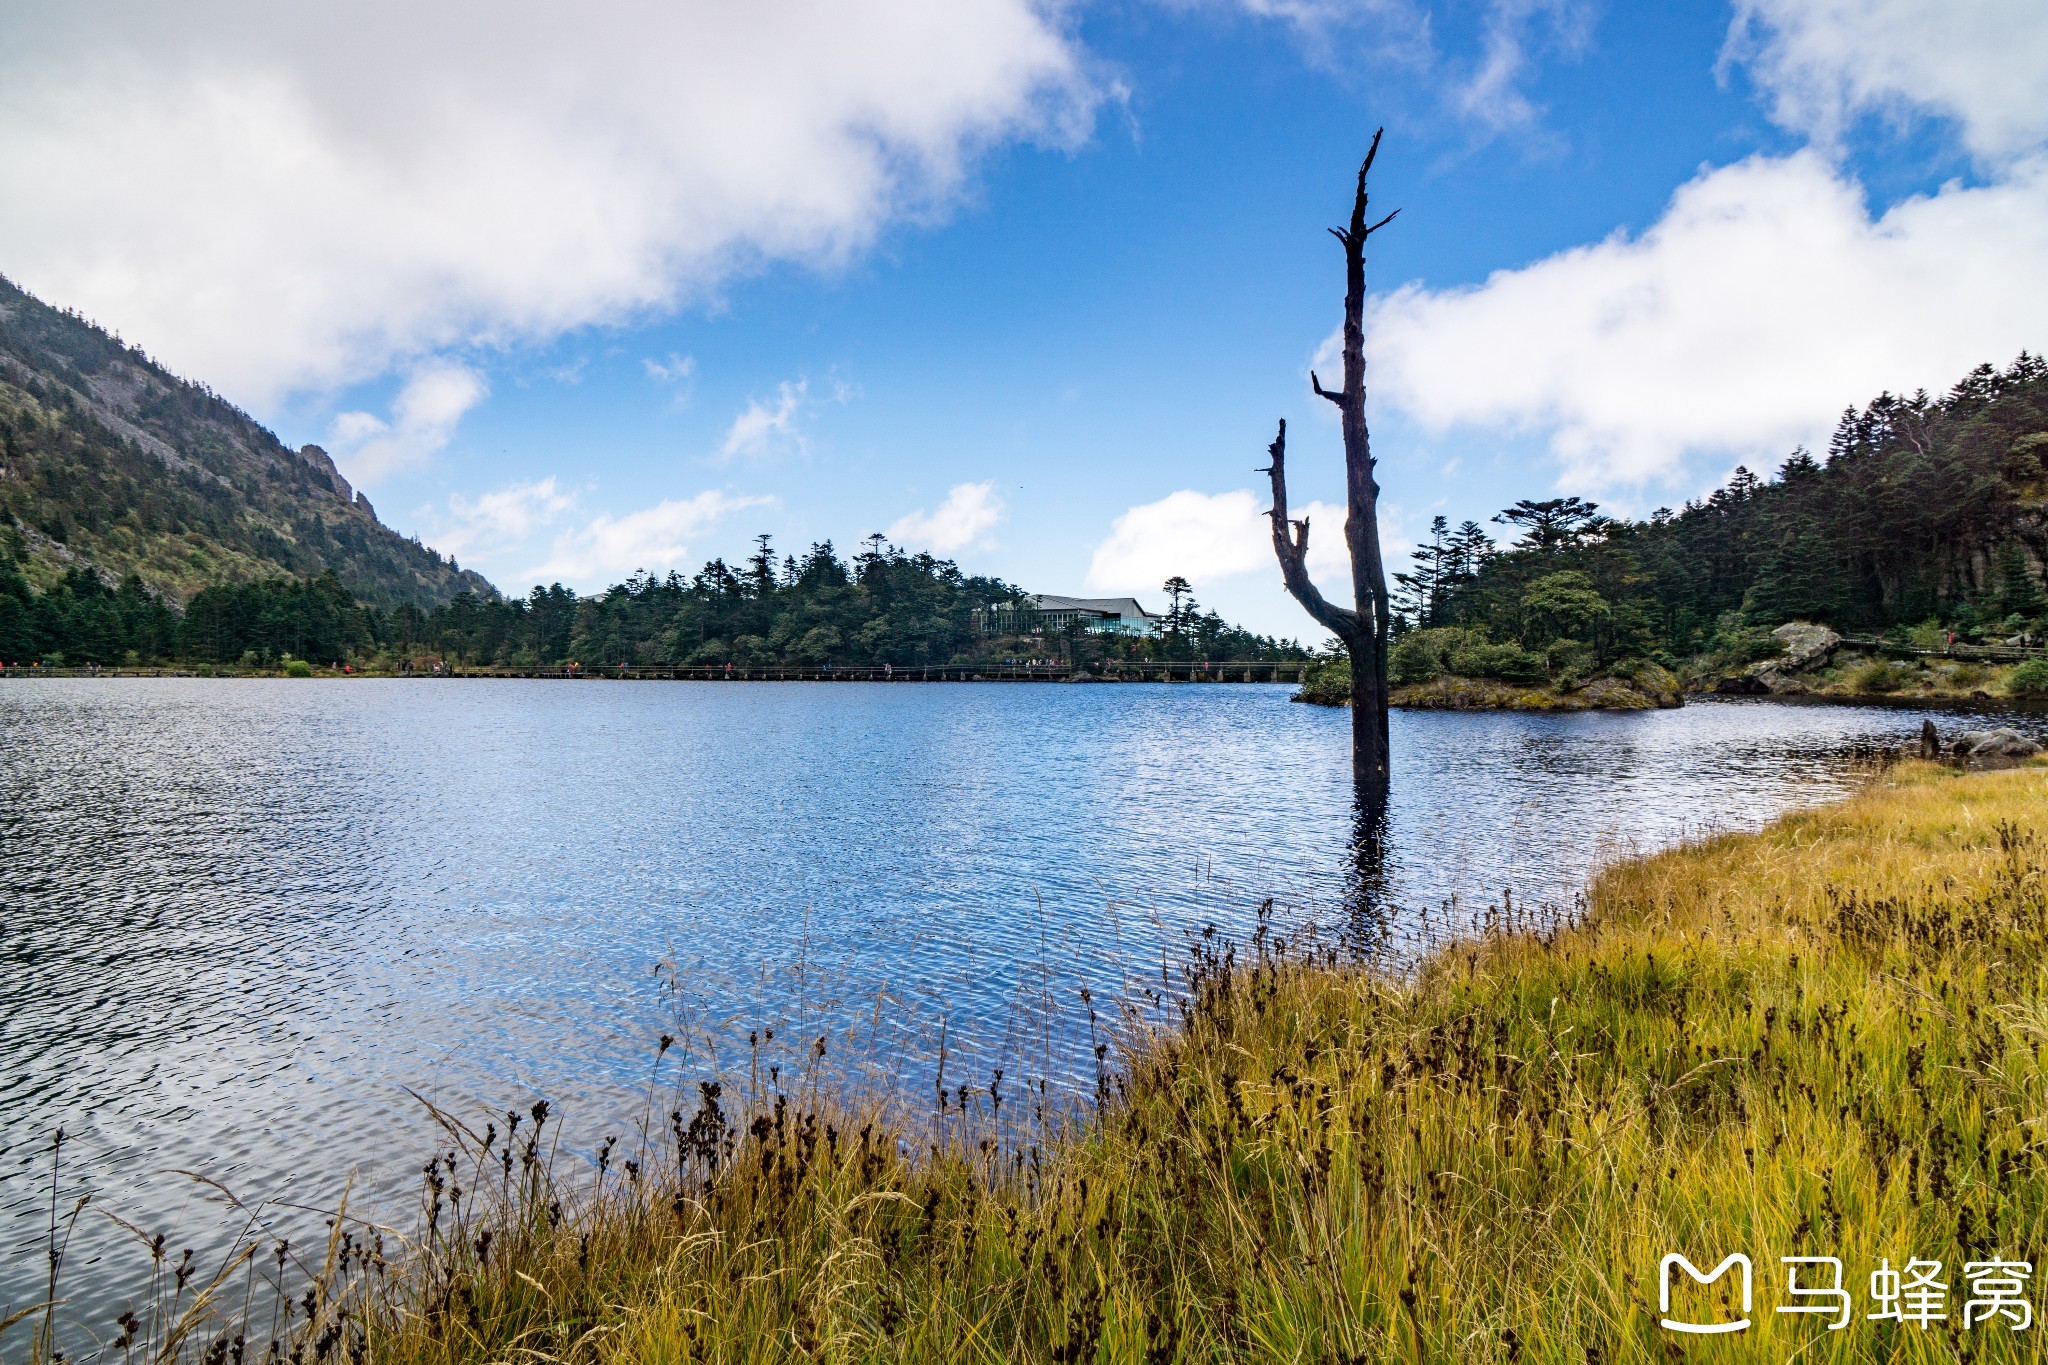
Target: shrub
{"type": "Point", "coordinates": [1569, 662]}
{"type": "Point", "coordinates": [1507, 661]}
{"type": "Point", "coordinates": [2030, 679]}
{"type": "Point", "coordinates": [1880, 675]}
{"type": "Point", "coordinates": [1327, 679]}
{"type": "Point", "coordinates": [1929, 634]}
{"type": "Point", "coordinates": [1562, 605]}
{"type": "Point", "coordinates": [297, 668]}
{"type": "Point", "coordinates": [1736, 646]}
{"type": "Point", "coordinates": [1421, 655]}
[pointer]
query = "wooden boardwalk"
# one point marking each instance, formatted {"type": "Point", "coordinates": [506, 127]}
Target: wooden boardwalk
{"type": "Point", "coordinates": [1999, 654]}
{"type": "Point", "coordinates": [1198, 672]}
{"type": "Point", "coordinates": [1211, 672]}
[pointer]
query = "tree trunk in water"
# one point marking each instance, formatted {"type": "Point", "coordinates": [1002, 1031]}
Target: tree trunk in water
{"type": "Point", "coordinates": [1366, 626]}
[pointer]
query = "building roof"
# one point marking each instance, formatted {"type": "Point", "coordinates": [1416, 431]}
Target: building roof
{"type": "Point", "coordinates": [1108, 606]}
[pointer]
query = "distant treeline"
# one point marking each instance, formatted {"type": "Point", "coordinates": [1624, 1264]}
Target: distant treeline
{"type": "Point", "coordinates": [1924, 510]}
{"type": "Point", "coordinates": [884, 607]}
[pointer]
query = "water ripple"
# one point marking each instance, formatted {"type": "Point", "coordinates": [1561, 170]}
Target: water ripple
{"type": "Point", "coordinates": [239, 918]}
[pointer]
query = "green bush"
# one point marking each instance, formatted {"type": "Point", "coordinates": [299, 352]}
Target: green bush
{"type": "Point", "coordinates": [1929, 634]}
{"type": "Point", "coordinates": [2030, 679]}
{"type": "Point", "coordinates": [1569, 662]}
{"type": "Point", "coordinates": [1736, 645]}
{"type": "Point", "coordinates": [1881, 676]}
{"type": "Point", "coordinates": [1507, 661]}
{"type": "Point", "coordinates": [297, 668]}
{"type": "Point", "coordinates": [1969, 675]}
{"type": "Point", "coordinates": [1413, 661]}
{"type": "Point", "coordinates": [1327, 680]}
{"type": "Point", "coordinates": [1421, 655]}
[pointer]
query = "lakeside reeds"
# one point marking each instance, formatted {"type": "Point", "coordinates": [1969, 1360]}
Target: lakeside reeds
{"type": "Point", "coordinates": [1822, 1040]}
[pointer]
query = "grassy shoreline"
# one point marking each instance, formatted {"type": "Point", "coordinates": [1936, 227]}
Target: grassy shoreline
{"type": "Point", "coordinates": [1820, 1040]}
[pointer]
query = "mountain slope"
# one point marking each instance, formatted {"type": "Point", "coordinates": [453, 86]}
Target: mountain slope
{"type": "Point", "coordinates": [110, 463]}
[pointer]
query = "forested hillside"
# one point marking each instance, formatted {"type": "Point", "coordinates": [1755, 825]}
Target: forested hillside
{"type": "Point", "coordinates": [1923, 511]}
{"type": "Point", "coordinates": [885, 606]}
{"type": "Point", "coordinates": [112, 466]}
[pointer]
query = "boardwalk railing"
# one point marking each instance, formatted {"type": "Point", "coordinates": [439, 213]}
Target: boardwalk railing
{"type": "Point", "coordinates": [1121, 671]}
{"type": "Point", "coordinates": [2005, 654]}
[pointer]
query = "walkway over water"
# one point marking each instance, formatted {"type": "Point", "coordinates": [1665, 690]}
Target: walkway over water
{"type": "Point", "coordinates": [1122, 671]}
{"type": "Point", "coordinates": [1212, 671]}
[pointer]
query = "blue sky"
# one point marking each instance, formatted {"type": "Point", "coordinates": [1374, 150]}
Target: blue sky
{"type": "Point", "coordinates": [1028, 285]}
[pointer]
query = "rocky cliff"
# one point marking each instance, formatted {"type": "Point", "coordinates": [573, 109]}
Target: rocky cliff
{"type": "Point", "coordinates": [110, 463]}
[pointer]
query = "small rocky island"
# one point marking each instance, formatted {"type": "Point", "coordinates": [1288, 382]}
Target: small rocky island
{"type": "Point", "coordinates": [1457, 669]}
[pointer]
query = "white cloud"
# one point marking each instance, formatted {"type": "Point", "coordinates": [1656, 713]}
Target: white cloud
{"type": "Point", "coordinates": [423, 418]}
{"type": "Point", "coordinates": [678, 372]}
{"type": "Point", "coordinates": [1485, 89]}
{"type": "Point", "coordinates": [677, 369]}
{"type": "Point", "coordinates": [1341, 33]}
{"type": "Point", "coordinates": [1983, 63]}
{"type": "Point", "coordinates": [763, 428]}
{"type": "Point", "coordinates": [1768, 296]}
{"type": "Point", "coordinates": [654, 538]}
{"type": "Point", "coordinates": [276, 197]}
{"type": "Point", "coordinates": [504, 517]}
{"type": "Point", "coordinates": [1764, 301]}
{"type": "Point", "coordinates": [1492, 96]}
{"type": "Point", "coordinates": [1209, 537]}
{"type": "Point", "coordinates": [970, 512]}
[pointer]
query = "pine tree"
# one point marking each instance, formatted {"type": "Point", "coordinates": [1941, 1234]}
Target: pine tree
{"type": "Point", "coordinates": [2018, 593]}
{"type": "Point", "coordinates": [1422, 595]}
{"type": "Point", "coordinates": [1553, 524]}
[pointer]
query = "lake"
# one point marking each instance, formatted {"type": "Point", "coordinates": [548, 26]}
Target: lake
{"type": "Point", "coordinates": [242, 919]}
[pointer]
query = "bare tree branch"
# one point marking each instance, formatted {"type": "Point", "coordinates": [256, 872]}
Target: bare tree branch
{"type": "Point", "coordinates": [1292, 551]}
{"type": "Point", "coordinates": [1370, 153]}
{"type": "Point", "coordinates": [1335, 396]}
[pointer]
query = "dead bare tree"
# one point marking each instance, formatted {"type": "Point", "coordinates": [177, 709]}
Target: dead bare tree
{"type": "Point", "coordinates": [1364, 627]}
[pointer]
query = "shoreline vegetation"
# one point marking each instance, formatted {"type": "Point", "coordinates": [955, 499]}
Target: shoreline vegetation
{"type": "Point", "coordinates": [1923, 531]}
{"type": "Point", "coordinates": [1450, 669]}
{"type": "Point", "coordinates": [884, 607]}
{"type": "Point", "coordinates": [1823, 1039]}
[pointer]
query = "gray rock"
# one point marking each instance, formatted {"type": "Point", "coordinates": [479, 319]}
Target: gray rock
{"type": "Point", "coordinates": [2000, 743]}
{"type": "Point", "coordinates": [1764, 679]}
{"type": "Point", "coordinates": [1806, 646]}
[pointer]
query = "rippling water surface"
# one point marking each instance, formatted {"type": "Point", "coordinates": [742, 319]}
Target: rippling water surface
{"type": "Point", "coordinates": [240, 920]}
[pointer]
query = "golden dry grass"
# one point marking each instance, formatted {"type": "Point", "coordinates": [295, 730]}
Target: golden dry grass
{"type": "Point", "coordinates": [1820, 1040]}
